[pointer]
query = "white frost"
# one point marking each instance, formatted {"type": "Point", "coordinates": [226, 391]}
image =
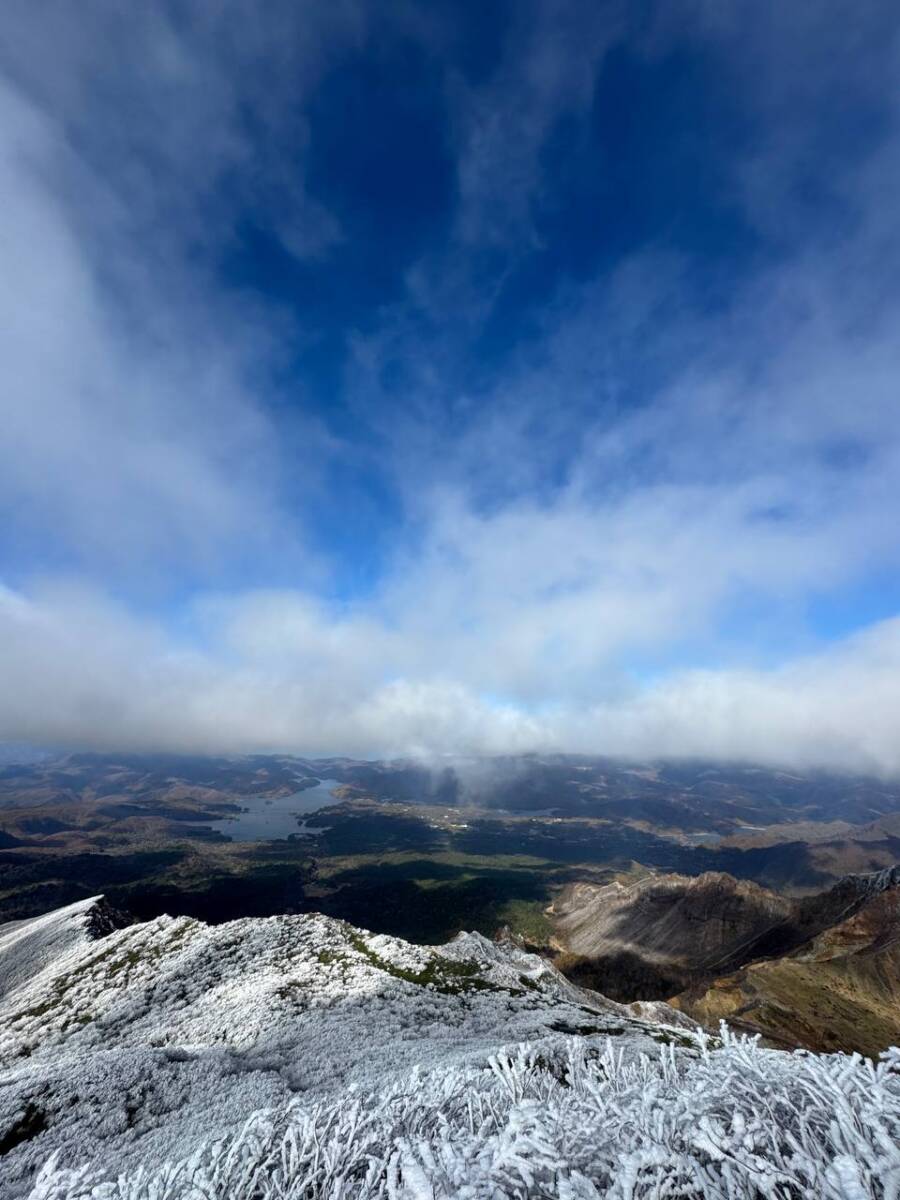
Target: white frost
{"type": "Point", "coordinates": [298, 1057]}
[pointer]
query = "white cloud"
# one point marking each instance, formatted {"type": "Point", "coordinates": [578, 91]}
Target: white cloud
{"type": "Point", "coordinates": [136, 434]}
{"type": "Point", "coordinates": [101, 455]}
{"type": "Point", "coordinates": [553, 551]}
{"type": "Point", "coordinates": [77, 671]}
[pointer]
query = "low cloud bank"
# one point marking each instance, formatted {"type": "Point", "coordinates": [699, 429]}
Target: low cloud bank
{"type": "Point", "coordinates": [81, 673]}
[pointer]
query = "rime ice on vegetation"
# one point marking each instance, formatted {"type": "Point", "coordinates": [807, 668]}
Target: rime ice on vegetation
{"type": "Point", "coordinates": [300, 1057]}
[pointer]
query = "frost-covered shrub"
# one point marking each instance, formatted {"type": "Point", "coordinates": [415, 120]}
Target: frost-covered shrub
{"type": "Point", "coordinates": [575, 1121]}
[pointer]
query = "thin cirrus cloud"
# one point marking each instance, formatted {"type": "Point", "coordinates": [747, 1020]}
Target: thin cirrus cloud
{"type": "Point", "coordinates": [241, 516]}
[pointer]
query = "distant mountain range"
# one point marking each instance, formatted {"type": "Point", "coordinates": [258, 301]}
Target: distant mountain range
{"type": "Point", "coordinates": [684, 797]}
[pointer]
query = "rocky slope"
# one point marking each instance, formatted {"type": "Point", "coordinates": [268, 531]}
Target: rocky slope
{"type": "Point", "coordinates": [819, 971]}
{"type": "Point", "coordinates": [840, 990]}
{"type": "Point", "coordinates": [650, 938]}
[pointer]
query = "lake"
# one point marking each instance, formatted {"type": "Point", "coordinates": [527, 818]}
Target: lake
{"type": "Point", "coordinates": [275, 817]}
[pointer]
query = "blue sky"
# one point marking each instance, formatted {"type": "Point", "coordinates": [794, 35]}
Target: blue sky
{"type": "Point", "coordinates": [452, 377]}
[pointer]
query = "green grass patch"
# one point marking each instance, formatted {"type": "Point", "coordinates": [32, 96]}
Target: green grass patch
{"type": "Point", "coordinates": [528, 919]}
{"type": "Point", "coordinates": [328, 957]}
{"type": "Point", "coordinates": [444, 975]}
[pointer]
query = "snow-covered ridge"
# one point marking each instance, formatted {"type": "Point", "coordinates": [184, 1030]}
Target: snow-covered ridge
{"type": "Point", "coordinates": [27, 948]}
{"type": "Point", "coordinates": [299, 1056]}
{"type": "Point", "coordinates": [141, 1044]}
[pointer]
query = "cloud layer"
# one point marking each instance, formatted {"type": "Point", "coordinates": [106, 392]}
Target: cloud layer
{"type": "Point", "coordinates": [78, 672]}
{"type": "Point", "coordinates": [649, 512]}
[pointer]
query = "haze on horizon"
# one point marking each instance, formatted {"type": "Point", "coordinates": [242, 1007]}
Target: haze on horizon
{"type": "Point", "coordinates": [452, 379]}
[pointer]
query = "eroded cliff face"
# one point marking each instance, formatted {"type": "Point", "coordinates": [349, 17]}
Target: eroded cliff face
{"type": "Point", "coordinates": [650, 939]}
{"type": "Point", "coordinates": [840, 990]}
{"type": "Point", "coordinates": [820, 972]}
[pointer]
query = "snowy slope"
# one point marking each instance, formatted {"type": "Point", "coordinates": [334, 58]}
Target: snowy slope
{"type": "Point", "coordinates": [172, 1029]}
{"type": "Point", "coordinates": [298, 1056]}
{"type": "Point", "coordinates": [27, 948]}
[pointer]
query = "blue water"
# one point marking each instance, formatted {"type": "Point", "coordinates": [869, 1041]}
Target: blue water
{"type": "Point", "coordinates": [275, 818]}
